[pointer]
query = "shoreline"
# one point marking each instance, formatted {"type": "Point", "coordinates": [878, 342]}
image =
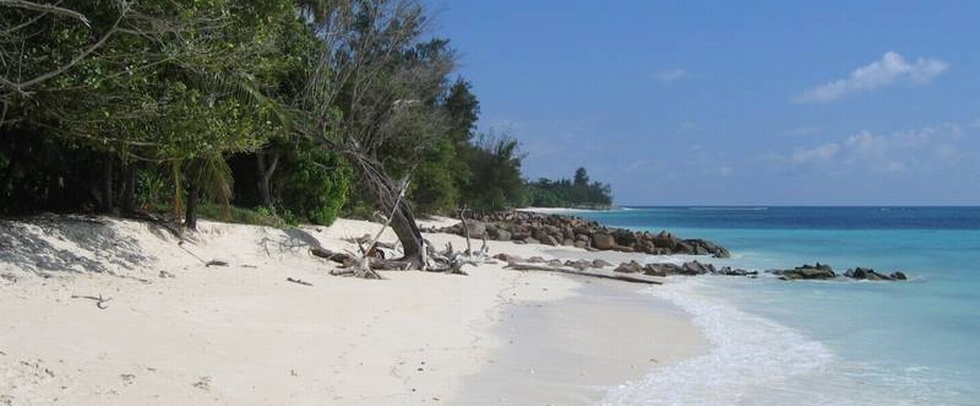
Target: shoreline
{"type": "Point", "coordinates": [177, 331]}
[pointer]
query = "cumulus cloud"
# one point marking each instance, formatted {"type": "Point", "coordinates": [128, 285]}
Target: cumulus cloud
{"type": "Point", "coordinates": [671, 75]}
{"type": "Point", "coordinates": [891, 69]}
{"type": "Point", "coordinates": [897, 152]}
{"type": "Point", "coordinates": [824, 152]}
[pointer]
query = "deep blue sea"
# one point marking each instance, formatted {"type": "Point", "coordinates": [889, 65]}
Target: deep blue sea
{"type": "Point", "coordinates": [823, 342]}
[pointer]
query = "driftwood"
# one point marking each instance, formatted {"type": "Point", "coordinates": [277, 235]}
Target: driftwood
{"type": "Point", "coordinates": [299, 281]}
{"type": "Point", "coordinates": [625, 278]}
{"type": "Point", "coordinates": [347, 260]}
{"type": "Point", "coordinates": [99, 301]}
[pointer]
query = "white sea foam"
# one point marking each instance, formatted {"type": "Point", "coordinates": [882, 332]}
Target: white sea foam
{"type": "Point", "coordinates": [749, 354]}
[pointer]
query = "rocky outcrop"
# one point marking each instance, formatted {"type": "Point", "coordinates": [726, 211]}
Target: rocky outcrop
{"type": "Point", "coordinates": [825, 272]}
{"type": "Point", "coordinates": [534, 228]}
{"type": "Point", "coordinates": [872, 275]}
{"type": "Point", "coordinates": [807, 271]}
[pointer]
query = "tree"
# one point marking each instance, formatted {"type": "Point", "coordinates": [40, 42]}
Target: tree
{"type": "Point", "coordinates": [364, 93]}
{"type": "Point", "coordinates": [495, 164]}
{"type": "Point", "coordinates": [581, 178]}
{"type": "Point", "coordinates": [577, 192]}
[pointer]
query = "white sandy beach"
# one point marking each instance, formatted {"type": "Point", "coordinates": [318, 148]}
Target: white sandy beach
{"type": "Point", "coordinates": [178, 332]}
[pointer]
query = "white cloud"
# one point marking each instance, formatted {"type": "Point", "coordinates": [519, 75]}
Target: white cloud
{"type": "Point", "coordinates": [898, 152]}
{"type": "Point", "coordinates": [824, 152]}
{"type": "Point", "coordinates": [671, 75]}
{"type": "Point", "coordinates": [891, 69]}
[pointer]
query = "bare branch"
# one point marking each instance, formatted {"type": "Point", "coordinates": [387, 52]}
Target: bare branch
{"type": "Point", "coordinates": [45, 8]}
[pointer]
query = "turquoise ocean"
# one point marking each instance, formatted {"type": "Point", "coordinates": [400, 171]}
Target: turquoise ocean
{"type": "Point", "coordinates": [822, 342]}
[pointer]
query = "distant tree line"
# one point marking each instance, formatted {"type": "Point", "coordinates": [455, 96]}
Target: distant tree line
{"type": "Point", "coordinates": [577, 192]}
{"type": "Point", "coordinates": [304, 109]}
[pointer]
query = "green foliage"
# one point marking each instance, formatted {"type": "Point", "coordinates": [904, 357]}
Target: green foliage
{"type": "Point", "coordinates": [313, 184]}
{"type": "Point", "coordinates": [565, 193]}
{"type": "Point", "coordinates": [261, 216]}
{"type": "Point", "coordinates": [496, 183]}
{"type": "Point", "coordinates": [434, 189]}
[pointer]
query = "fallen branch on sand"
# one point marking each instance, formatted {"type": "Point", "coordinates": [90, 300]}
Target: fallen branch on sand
{"type": "Point", "coordinates": [299, 281]}
{"type": "Point", "coordinates": [532, 267]}
{"type": "Point", "coordinates": [99, 301]}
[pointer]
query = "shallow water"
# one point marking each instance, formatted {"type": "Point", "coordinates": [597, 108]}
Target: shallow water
{"type": "Point", "coordinates": [824, 343]}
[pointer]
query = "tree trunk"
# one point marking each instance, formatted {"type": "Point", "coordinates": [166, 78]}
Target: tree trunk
{"type": "Point", "coordinates": [190, 219]}
{"type": "Point", "coordinates": [127, 198]}
{"type": "Point", "coordinates": [266, 169]}
{"type": "Point", "coordinates": [106, 183]}
{"type": "Point", "coordinates": [404, 225]}
{"type": "Point", "coordinates": [402, 221]}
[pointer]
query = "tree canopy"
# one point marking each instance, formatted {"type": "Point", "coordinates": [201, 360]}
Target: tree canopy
{"type": "Point", "coordinates": [301, 108]}
{"type": "Point", "coordinates": [578, 192]}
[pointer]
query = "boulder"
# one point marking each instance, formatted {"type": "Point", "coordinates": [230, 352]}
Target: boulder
{"type": "Point", "coordinates": [476, 228]}
{"type": "Point", "coordinates": [603, 241]}
{"type": "Point", "coordinates": [629, 267]}
{"type": "Point", "coordinates": [600, 263]}
{"type": "Point", "coordinates": [899, 276]}
{"type": "Point", "coordinates": [818, 271]}
{"type": "Point", "coordinates": [504, 235]}
{"type": "Point", "coordinates": [549, 240]}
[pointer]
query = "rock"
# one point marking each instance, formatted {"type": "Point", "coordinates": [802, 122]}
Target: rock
{"type": "Point", "coordinates": [535, 260]}
{"type": "Point", "coordinates": [655, 270]}
{"type": "Point", "coordinates": [581, 264]}
{"type": "Point", "coordinates": [476, 228]}
{"type": "Point", "coordinates": [554, 262]}
{"type": "Point", "coordinates": [603, 241]}
{"type": "Point", "coordinates": [857, 273]}
{"type": "Point", "coordinates": [506, 258]}
{"type": "Point", "coordinates": [629, 267]}
{"type": "Point", "coordinates": [523, 227]}
{"type": "Point", "coordinates": [549, 240]}
{"type": "Point", "coordinates": [622, 248]}
{"type": "Point", "coordinates": [624, 237]}
{"type": "Point", "coordinates": [600, 263]}
{"type": "Point", "coordinates": [898, 276]}
{"type": "Point", "coordinates": [818, 271]}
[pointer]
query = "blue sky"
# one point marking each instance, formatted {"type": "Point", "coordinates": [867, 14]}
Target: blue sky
{"type": "Point", "coordinates": [713, 102]}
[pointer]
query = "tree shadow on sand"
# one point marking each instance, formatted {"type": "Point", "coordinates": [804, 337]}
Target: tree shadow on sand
{"type": "Point", "coordinates": [73, 244]}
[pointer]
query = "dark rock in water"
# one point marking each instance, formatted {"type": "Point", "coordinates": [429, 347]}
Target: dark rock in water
{"type": "Point", "coordinates": [872, 275]}
{"type": "Point", "coordinates": [818, 271]}
{"type": "Point", "coordinates": [728, 271]}
{"type": "Point", "coordinates": [857, 273]}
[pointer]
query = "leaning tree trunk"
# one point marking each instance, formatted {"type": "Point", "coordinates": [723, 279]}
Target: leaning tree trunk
{"type": "Point", "coordinates": [402, 221]}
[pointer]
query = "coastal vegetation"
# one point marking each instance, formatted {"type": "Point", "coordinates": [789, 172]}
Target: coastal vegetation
{"type": "Point", "coordinates": [306, 109]}
{"type": "Point", "coordinates": [576, 193]}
